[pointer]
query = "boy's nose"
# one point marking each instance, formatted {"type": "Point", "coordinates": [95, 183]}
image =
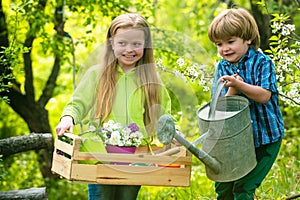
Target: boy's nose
{"type": "Point", "coordinates": [225, 48]}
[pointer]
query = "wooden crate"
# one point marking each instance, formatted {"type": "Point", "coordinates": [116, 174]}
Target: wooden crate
{"type": "Point", "coordinates": [153, 174]}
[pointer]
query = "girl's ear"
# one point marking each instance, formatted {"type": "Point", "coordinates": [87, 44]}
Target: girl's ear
{"type": "Point", "coordinates": [111, 43]}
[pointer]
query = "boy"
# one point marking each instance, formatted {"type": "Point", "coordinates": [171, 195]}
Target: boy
{"type": "Point", "coordinates": [251, 74]}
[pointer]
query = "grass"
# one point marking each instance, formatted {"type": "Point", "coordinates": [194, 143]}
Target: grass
{"type": "Point", "coordinates": [282, 181]}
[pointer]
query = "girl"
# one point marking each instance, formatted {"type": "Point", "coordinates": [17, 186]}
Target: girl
{"type": "Point", "coordinates": [126, 89]}
{"type": "Point", "coordinates": [251, 74]}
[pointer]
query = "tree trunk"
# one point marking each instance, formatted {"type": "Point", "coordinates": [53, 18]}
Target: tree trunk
{"type": "Point", "coordinates": [27, 194]}
{"type": "Point", "coordinates": [263, 23]}
{"type": "Point", "coordinates": [19, 144]}
{"type": "Point", "coordinates": [24, 103]}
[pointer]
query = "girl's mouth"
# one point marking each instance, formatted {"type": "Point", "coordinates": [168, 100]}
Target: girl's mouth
{"type": "Point", "coordinates": [128, 56]}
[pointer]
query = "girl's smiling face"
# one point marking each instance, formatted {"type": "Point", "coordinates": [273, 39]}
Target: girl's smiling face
{"type": "Point", "coordinates": [232, 49]}
{"type": "Point", "coordinates": [128, 46]}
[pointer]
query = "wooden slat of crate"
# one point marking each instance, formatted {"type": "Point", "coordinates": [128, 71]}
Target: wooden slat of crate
{"type": "Point", "coordinates": [84, 172]}
{"type": "Point", "coordinates": [65, 147]}
{"type": "Point", "coordinates": [68, 148]}
{"type": "Point", "coordinates": [131, 175]}
{"type": "Point", "coordinates": [61, 165]}
{"type": "Point", "coordinates": [133, 158]}
{"type": "Point", "coordinates": [139, 175]}
{"type": "Point", "coordinates": [121, 174]}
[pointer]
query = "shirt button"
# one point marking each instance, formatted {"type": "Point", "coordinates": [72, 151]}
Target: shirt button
{"type": "Point", "coordinates": [238, 70]}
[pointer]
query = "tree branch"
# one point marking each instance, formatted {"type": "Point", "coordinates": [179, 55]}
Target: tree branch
{"type": "Point", "coordinates": [51, 82]}
{"type": "Point", "coordinates": [32, 193]}
{"type": "Point", "coordinates": [29, 89]}
{"type": "Point", "coordinates": [295, 102]}
{"type": "Point", "coordinates": [23, 143]}
{"type": "Point", "coordinates": [30, 37]}
{"type": "Point", "coordinates": [293, 197]}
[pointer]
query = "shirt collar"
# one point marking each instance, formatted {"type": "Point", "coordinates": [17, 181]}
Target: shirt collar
{"type": "Point", "coordinates": [121, 72]}
{"type": "Point", "coordinates": [247, 55]}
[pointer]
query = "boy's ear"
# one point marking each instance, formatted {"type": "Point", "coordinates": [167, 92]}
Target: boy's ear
{"type": "Point", "coordinates": [248, 42]}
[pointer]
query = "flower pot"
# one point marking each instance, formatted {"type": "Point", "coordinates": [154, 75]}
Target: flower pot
{"type": "Point", "coordinates": [118, 149]}
{"type": "Point", "coordinates": [121, 150]}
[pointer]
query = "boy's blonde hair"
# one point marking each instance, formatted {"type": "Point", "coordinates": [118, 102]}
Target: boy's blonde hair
{"type": "Point", "coordinates": [235, 22]}
{"type": "Point", "coordinates": [146, 74]}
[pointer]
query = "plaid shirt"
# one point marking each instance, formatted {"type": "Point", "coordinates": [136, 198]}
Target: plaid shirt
{"type": "Point", "coordinates": [257, 69]}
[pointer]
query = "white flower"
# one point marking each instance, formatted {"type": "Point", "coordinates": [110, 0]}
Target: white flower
{"type": "Point", "coordinates": [115, 138]}
{"type": "Point", "coordinates": [115, 134]}
{"type": "Point", "coordinates": [180, 62]}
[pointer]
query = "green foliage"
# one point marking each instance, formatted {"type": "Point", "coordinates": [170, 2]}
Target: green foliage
{"type": "Point", "coordinates": [2, 172]}
{"type": "Point", "coordinates": [62, 189]}
{"type": "Point", "coordinates": [284, 50]}
{"type": "Point", "coordinates": [21, 171]}
{"type": "Point", "coordinates": [8, 59]}
{"type": "Point", "coordinates": [284, 178]}
{"type": "Point", "coordinates": [13, 124]}
{"type": "Point", "coordinates": [181, 45]}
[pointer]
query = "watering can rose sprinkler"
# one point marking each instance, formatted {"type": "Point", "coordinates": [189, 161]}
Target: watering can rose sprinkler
{"type": "Point", "coordinates": [166, 132]}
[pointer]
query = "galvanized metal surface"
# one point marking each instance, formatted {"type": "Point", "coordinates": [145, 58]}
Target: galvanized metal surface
{"type": "Point", "coordinates": [230, 139]}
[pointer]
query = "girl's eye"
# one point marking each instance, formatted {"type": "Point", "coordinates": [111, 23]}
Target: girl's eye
{"type": "Point", "coordinates": [121, 43]}
{"type": "Point", "coordinates": [137, 44]}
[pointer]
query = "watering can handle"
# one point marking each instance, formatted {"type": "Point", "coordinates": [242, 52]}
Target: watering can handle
{"type": "Point", "coordinates": [213, 104]}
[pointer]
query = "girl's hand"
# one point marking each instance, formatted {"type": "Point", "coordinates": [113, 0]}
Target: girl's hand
{"type": "Point", "coordinates": [174, 141]}
{"type": "Point", "coordinates": [65, 124]}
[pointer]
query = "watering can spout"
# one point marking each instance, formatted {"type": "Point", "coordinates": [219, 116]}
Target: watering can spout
{"type": "Point", "coordinates": [166, 132]}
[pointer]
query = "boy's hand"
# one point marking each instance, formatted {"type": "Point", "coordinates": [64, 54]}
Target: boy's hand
{"type": "Point", "coordinates": [232, 82]}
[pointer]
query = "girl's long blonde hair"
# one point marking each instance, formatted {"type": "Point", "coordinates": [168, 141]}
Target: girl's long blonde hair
{"type": "Point", "coordinates": [146, 74]}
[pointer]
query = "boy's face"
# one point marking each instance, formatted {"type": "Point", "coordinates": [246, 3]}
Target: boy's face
{"type": "Point", "coordinates": [233, 48]}
{"type": "Point", "coordinates": [128, 46]}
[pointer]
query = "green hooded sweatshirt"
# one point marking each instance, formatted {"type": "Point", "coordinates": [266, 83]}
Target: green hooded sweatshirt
{"type": "Point", "coordinates": [128, 106]}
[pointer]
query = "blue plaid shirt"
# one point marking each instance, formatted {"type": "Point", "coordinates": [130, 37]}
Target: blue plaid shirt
{"type": "Point", "coordinates": [257, 69]}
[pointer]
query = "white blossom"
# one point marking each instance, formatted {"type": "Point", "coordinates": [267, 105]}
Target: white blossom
{"type": "Point", "coordinates": [115, 134]}
{"type": "Point", "coordinates": [180, 62]}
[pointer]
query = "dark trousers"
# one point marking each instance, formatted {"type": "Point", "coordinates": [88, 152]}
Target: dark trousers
{"type": "Point", "coordinates": [112, 192]}
{"type": "Point", "coordinates": [244, 188]}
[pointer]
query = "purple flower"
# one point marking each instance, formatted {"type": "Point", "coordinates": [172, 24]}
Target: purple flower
{"type": "Point", "coordinates": [133, 127]}
{"type": "Point", "coordinates": [59, 152]}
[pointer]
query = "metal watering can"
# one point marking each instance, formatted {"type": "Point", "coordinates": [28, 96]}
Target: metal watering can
{"type": "Point", "coordinates": [228, 150]}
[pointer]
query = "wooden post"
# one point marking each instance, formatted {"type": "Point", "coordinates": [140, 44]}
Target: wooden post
{"type": "Point", "coordinates": [33, 141]}
{"type": "Point", "coordinates": [32, 194]}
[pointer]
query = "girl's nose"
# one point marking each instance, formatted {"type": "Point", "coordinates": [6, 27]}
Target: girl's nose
{"type": "Point", "coordinates": [129, 48]}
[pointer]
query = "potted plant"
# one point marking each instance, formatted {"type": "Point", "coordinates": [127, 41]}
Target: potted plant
{"type": "Point", "coordinates": [121, 139]}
